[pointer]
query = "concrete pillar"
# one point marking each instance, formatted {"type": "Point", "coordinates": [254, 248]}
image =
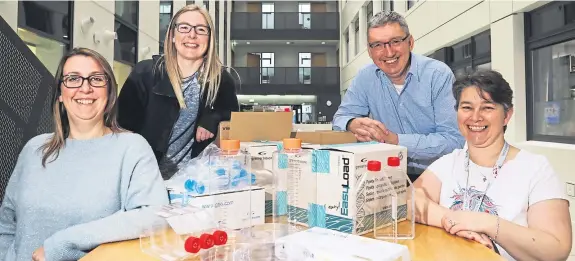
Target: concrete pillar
{"type": "Point", "coordinates": [508, 58]}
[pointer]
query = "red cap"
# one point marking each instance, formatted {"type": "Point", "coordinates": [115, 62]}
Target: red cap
{"type": "Point", "coordinates": [192, 245]}
{"type": "Point", "coordinates": [374, 165]}
{"type": "Point", "coordinates": [393, 161]}
{"type": "Point", "coordinates": [206, 241]}
{"type": "Point", "coordinates": [286, 109]}
{"type": "Point", "coordinates": [220, 237]}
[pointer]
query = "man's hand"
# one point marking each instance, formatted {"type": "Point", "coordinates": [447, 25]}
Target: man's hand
{"type": "Point", "coordinates": [38, 255]}
{"type": "Point", "coordinates": [366, 129]}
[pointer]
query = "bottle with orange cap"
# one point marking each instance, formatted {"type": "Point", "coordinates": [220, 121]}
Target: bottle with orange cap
{"type": "Point", "coordinates": [295, 185]}
{"type": "Point", "coordinates": [376, 201]}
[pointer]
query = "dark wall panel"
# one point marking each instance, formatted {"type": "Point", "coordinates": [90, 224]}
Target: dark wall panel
{"type": "Point", "coordinates": [26, 86]}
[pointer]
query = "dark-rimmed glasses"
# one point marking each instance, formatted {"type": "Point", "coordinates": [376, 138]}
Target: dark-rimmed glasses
{"type": "Point", "coordinates": [76, 81]}
{"type": "Point", "coordinates": [185, 28]}
{"type": "Point", "coordinates": [392, 43]}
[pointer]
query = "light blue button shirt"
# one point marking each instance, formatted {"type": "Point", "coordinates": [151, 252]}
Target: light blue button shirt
{"type": "Point", "coordinates": [422, 114]}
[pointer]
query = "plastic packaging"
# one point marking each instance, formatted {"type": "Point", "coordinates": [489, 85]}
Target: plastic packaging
{"type": "Point", "coordinates": [181, 233]}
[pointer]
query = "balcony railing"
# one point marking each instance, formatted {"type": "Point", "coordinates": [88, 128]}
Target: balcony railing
{"type": "Point", "coordinates": [285, 20]}
{"type": "Point", "coordinates": [289, 75]}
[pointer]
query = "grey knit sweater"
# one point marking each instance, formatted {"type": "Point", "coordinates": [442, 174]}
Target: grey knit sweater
{"type": "Point", "coordinates": [96, 191]}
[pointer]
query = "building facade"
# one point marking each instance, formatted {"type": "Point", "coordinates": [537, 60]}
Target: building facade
{"type": "Point", "coordinates": [531, 43]}
{"type": "Point", "coordinates": [284, 52]}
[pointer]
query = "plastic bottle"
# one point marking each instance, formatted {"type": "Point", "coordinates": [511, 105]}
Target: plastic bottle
{"type": "Point", "coordinates": [405, 195]}
{"type": "Point", "coordinates": [295, 185]}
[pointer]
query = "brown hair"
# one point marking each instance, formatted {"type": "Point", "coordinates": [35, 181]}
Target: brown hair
{"type": "Point", "coordinates": [212, 67]}
{"type": "Point", "coordinates": [61, 124]}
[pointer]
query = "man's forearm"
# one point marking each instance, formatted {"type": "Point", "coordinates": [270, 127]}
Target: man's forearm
{"type": "Point", "coordinates": [429, 146]}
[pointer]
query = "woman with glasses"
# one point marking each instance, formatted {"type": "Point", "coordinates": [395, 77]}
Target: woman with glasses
{"type": "Point", "coordinates": [85, 184]}
{"type": "Point", "coordinates": [492, 191]}
{"type": "Point", "coordinates": [177, 100]}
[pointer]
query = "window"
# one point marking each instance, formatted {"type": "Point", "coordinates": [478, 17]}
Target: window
{"type": "Point", "coordinates": [346, 36]}
{"type": "Point", "coordinates": [550, 61]}
{"type": "Point", "coordinates": [267, 15]}
{"type": "Point", "coordinates": [411, 3]}
{"type": "Point", "coordinates": [266, 67]}
{"type": "Point", "coordinates": [206, 5]}
{"type": "Point", "coordinates": [304, 68]}
{"type": "Point", "coordinates": [126, 44]}
{"type": "Point", "coordinates": [471, 54]}
{"type": "Point", "coordinates": [356, 40]}
{"type": "Point", "coordinates": [305, 15]}
{"type": "Point", "coordinates": [45, 27]}
{"type": "Point", "coordinates": [166, 11]}
{"type": "Point", "coordinates": [369, 12]}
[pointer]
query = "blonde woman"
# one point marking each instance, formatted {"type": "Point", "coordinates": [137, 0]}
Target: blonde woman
{"type": "Point", "coordinates": [177, 101]}
{"type": "Point", "coordinates": [87, 183]}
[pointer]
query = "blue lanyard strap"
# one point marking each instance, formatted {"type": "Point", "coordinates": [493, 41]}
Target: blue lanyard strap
{"type": "Point", "coordinates": [498, 165]}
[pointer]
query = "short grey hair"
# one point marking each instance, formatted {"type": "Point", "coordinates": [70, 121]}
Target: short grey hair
{"type": "Point", "coordinates": [386, 17]}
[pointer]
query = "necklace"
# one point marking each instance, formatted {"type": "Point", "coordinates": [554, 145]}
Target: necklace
{"type": "Point", "coordinates": [495, 172]}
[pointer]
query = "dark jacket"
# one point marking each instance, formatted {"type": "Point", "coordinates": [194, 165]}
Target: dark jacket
{"type": "Point", "coordinates": [148, 106]}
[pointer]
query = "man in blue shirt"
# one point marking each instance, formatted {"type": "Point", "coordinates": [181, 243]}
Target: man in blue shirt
{"type": "Point", "coordinates": [408, 96]}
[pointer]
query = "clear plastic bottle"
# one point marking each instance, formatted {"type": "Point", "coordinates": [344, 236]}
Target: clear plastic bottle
{"type": "Point", "coordinates": [403, 187]}
{"type": "Point", "coordinates": [376, 202]}
{"type": "Point", "coordinates": [295, 185]}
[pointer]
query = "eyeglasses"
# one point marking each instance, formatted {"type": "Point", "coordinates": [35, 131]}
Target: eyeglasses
{"type": "Point", "coordinates": [76, 81]}
{"type": "Point", "coordinates": [392, 43]}
{"type": "Point", "coordinates": [185, 28]}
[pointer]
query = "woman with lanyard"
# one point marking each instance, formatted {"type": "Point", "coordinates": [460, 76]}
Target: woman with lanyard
{"type": "Point", "coordinates": [177, 100]}
{"type": "Point", "coordinates": [508, 199]}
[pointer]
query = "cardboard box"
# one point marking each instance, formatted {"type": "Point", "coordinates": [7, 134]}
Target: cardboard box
{"type": "Point", "coordinates": [322, 244]}
{"type": "Point", "coordinates": [237, 205]}
{"type": "Point", "coordinates": [338, 169]}
{"type": "Point", "coordinates": [326, 137]}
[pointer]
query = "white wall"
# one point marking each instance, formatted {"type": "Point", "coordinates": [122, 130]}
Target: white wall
{"type": "Point", "coordinates": [9, 12]}
{"type": "Point", "coordinates": [148, 29]}
{"type": "Point", "coordinates": [284, 56]}
{"type": "Point", "coordinates": [436, 24]}
{"type": "Point", "coordinates": [103, 14]}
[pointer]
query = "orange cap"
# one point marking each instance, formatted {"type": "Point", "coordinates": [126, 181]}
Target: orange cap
{"type": "Point", "coordinates": [292, 143]}
{"type": "Point", "coordinates": [230, 144]}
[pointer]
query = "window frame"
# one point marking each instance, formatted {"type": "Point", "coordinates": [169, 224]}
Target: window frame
{"type": "Point", "coordinates": [532, 43]}
{"type": "Point", "coordinates": [69, 42]}
{"type": "Point", "coordinates": [132, 27]}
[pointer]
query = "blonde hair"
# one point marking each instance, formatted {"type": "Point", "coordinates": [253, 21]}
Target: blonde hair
{"type": "Point", "coordinates": [60, 118]}
{"type": "Point", "coordinates": [211, 69]}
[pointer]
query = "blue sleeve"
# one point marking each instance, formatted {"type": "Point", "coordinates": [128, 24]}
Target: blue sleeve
{"type": "Point", "coordinates": [353, 105]}
{"type": "Point", "coordinates": [142, 190]}
{"type": "Point", "coordinates": [446, 137]}
{"type": "Point", "coordinates": [7, 211]}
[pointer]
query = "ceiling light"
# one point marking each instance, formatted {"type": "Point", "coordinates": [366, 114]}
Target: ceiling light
{"type": "Point", "coordinates": [247, 42]}
{"type": "Point", "coordinates": [287, 42]}
{"type": "Point", "coordinates": [322, 42]}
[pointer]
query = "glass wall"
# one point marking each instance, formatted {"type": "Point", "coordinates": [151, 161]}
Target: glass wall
{"type": "Point", "coordinates": [126, 46]}
{"type": "Point", "coordinates": [45, 27]}
{"type": "Point", "coordinates": [550, 42]}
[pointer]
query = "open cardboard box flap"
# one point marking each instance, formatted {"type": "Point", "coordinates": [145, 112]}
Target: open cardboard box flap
{"type": "Point", "coordinates": [257, 126]}
{"type": "Point", "coordinates": [325, 137]}
{"type": "Point", "coordinates": [275, 126]}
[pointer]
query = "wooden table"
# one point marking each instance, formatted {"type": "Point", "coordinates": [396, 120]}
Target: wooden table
{"type": "Point", "coordinates": [429, 244]}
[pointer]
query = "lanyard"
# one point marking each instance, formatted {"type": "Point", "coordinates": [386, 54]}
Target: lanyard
{"type": "Point", "coordinates": [496, 169]}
